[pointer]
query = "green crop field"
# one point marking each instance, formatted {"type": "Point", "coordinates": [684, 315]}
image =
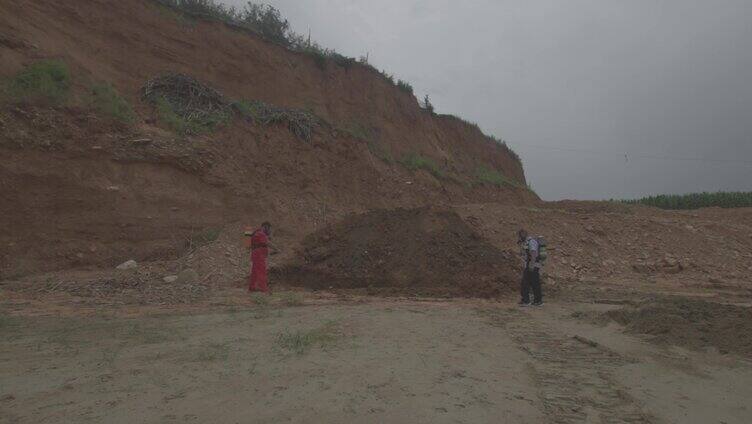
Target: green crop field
{"type": "Point", "coordinates": [696, 200]}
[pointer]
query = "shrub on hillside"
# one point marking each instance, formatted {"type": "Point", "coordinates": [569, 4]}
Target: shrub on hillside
{"type": "Point", "coordinates": [47, 81]}
{"type": "Point", "coordinates": [427, 105]}
{"type": "Point", "coordinates": [267, 21]}
{"type": "Point", "coordinates": [405, 86]}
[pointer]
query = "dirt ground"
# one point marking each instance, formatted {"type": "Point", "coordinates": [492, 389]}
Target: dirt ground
{"type": "Point", "coordinates": [304, 357]}
{"type": "Point", "coordinates": [633, 331]}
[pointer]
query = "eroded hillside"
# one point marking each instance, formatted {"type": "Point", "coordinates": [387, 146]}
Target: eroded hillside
{"type": "Point", "coordinates": [82, 188]}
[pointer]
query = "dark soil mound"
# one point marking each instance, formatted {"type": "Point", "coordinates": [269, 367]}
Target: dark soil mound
{"type": "Point", "coordinates": [404, 251]}
{"type": "Point", "coordinates": [691, 323]}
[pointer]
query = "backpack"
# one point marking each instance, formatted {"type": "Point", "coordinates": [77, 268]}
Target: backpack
{"type": "Point", "coordinates": [542, 249]}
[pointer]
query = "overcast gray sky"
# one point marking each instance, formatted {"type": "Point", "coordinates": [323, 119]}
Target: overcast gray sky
{"type": "Point", "coordinates": [572, 85]}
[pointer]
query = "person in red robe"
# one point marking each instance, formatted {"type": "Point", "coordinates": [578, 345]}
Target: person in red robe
{"type": "Point", "coordinates": [259, 279]}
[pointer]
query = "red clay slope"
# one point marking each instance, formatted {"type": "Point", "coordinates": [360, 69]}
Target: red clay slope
{"type": "Point", "coordinates": [79, 189]}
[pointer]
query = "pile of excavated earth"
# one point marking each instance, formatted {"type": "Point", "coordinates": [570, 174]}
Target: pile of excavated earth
{"type": "Point", "coordinates": [423, 251]}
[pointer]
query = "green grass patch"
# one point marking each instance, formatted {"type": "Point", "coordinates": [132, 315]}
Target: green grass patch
{"type": "Point", "coordinates": [168, 116]}
{"type": "Point", "coordinates": [109, 102]}
{"type": "Point", "coordinates": [250, 109]}
{"type": "Point", "coordinates": [691, 201]}
{"type": "Point", "coordinates": [484, 175]}
{"type": "Point", "coordinates": [415, 162]}
{"type": "Point", "coordinates": [47, 81]}
{"type": "Point", "coordinates": [300, 342]}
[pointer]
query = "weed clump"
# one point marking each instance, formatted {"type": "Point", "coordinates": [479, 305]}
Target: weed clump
{"type": "Point", "coordinates": [300, 342]}
{"type": "Point", "coordinates": [44, 81]}
{"type": "Point", "coordinates": [415, 162]}
{"type": "Point", "coordinates": [484, 175]}
{"type": "Point", "coordinates": [299, 122]}
{"type": "Point", "coordinates": [109, 102]}
{"type": "Point", "coordinates": [405, 86]}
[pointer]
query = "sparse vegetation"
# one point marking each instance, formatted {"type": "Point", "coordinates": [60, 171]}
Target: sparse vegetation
{"type": "Point", "coordinates": [696, 200]}
{"type": "Point", "coordinates": [530, 189]}
{"type": "Point", "coordinates": [358, 131]}
{"type": "Point", "coordinates": [300, 342]}
{"type": "Point", "coordinates": [185, 105]}
{"type": "Point", "coordinates": [205, 8]}
{"type": "Point", "coordinates": [427, 105]}
{"type": "Point", "coordinates": [267, 22]}
{"type": "Point", "coordinates": [46, 81]}
{"type": "Point", "coordinates": [299, 122]}
{"type": "Point", "coordinates": [484, 175]}
{"type": "Point", "coordinates": [416, 162]}
{"type": "Point", "coordinates": [503, 145]}
{"type": "Point", "coordinates": [206, 236]}
{"type": "Point", "coordinates": [169, 116]}
{"type": "Point", "coordinates": [380, 152]}
{"type": "Point", "coordinates": [109, 102]}
{"type": "Point", "coordinates": [405, 86]}
{"type": "Point", "coordinates": [388, 77]}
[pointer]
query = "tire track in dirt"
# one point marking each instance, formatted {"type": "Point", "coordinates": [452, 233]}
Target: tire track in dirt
{"type": "Point", "coordinates": [575, 379]}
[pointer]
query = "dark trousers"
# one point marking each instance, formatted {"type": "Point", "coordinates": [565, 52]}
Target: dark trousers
{"type": "Point", "coordinates": [531, 279]}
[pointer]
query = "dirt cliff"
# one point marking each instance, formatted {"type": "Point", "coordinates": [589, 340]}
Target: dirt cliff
{"type": "Point", "coordinates": [82, 189]}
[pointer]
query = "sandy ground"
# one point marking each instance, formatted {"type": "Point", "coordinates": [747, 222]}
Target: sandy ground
{"type": "Point", "coordinates": [372, 360]}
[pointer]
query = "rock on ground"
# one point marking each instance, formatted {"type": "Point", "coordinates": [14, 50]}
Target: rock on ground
{"type": "Point", "coordinates": [128, 265]}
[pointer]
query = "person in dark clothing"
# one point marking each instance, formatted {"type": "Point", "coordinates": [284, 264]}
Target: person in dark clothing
{"type": "Point", "coordinates": [531, 271]}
